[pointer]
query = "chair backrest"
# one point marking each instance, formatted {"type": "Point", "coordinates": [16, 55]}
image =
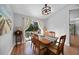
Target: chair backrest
{"type": "Point", "coordinates": [36, 36]}
{"type": "Point", "coordinates": [33, 37]}
{"type": "Point", "coordinates": [61, 43]}
{"type": "Point", "coordinates": [35, 40]}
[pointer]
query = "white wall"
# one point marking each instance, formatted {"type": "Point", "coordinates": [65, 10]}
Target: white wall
{"type": "Point", "coordinates": [18, 21]}
{"type": "Point", "coordinates": [6, 40]}
{"type": "Point", "coordinates": [59, 22]}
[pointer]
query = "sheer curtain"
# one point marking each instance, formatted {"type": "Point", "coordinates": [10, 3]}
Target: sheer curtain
{"type": "Point", "coordinates": [27, 22]}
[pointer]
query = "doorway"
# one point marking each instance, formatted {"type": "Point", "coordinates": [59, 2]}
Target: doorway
{"type": "Point", "coordinates": [74, 27]}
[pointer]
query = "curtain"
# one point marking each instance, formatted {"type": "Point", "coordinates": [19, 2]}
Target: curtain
{"type": "Point", "coordinates": [27, 22]}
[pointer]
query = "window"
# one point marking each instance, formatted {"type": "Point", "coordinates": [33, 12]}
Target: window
{"type": "Point", "coordinates": [33, 27]}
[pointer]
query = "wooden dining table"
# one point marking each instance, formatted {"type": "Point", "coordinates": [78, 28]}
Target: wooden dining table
{"type": "Point", "coordinates": [47, 42]}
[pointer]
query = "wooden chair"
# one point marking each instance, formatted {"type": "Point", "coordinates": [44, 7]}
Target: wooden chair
{"type": "Point", "coordinates": [58, 47]}
{"type": "Point", "coordinates": [37, 46]}
{"type": "Point", "coordinates": [33, 42]}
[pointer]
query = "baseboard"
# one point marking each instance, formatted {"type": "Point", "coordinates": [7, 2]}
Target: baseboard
{"type": "Point", "coordinates": [11, 49]}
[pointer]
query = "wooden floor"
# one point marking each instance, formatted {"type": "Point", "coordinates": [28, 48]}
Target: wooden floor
{"type": "Point", "coordinates": [23, 49]}
{"type": "Point", "coordinates": [26, 49]}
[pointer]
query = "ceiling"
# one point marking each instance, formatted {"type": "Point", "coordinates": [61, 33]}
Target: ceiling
{"type": "Point", "coordinates": [34, 10]}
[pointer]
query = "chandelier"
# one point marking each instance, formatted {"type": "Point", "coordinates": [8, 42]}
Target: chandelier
{"type": "Point", "coordinates": [46, 10]}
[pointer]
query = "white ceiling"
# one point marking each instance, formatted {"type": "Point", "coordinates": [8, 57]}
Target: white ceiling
{"type": "Point", "coordinates": [34, 10]}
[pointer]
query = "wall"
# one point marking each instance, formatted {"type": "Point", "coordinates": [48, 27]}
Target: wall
{"type": "Point", "coordinates": [19, 21]}
{"type": "Point", "coordinates": [6, 40]}
{"type": "Point", "coordinates": [59, 22]}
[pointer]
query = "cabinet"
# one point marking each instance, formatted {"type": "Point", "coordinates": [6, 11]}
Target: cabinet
{"type": "Point", "coordinates": [18, 36]}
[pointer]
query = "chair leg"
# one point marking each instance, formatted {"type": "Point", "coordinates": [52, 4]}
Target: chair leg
{"type": "Point", "coordinates": [31, 44]}
{"type": "Point", "coordinates": [33, 48]}
{"type": "Point", "coordinates": [38, 51]}
{"type": "Point", "coordinates": [62, 52]}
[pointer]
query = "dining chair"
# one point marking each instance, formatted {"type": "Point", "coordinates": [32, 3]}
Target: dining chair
{"type": "Point", "coordinates": [37, 46]}
{"type": "Point", "coordinates": [58, 47]}
{"type": "Point", "coordinates": [33, 42]}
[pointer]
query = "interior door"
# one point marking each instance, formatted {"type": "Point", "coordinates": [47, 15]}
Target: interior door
{"type": "Point", "coordinates": [72, 29]}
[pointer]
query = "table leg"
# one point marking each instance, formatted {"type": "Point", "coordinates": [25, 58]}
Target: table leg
{"type": "Point", "coordinates": [47, 51]}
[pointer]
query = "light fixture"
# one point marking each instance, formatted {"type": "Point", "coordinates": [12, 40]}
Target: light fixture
{"type": "Point", "coordinates": [46, 10]}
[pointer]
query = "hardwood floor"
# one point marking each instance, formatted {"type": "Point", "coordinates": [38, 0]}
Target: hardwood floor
{"type": "Point", "coordinates": [74, 40]}
{"type": "Point", "coordinates": [71, 50]}
{"type": "Point", "coordinates": [26, 49]}
{"type": "Point", "coordinates": [23, 49]}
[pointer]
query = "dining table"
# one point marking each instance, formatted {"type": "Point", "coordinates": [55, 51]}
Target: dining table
{"type": "Point", "coordinates": [47, 41]}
